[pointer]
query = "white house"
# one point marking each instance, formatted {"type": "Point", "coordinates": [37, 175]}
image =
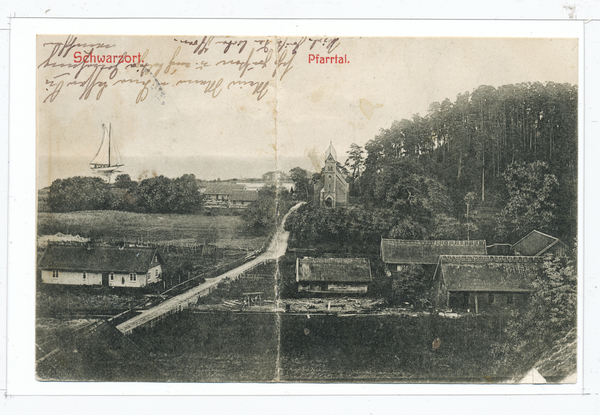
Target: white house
{"type": "Point", "coordinates": [108, 266]}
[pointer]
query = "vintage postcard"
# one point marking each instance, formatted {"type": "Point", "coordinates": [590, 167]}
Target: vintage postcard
{"type": "Point", "coordinates": [322, 209]}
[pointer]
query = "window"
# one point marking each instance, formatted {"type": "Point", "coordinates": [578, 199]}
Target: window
{"type": "Point", "coordinates": [330, 168]}
{"type": "Point", "coordinates": [112, 276]}
{"type": "Point", "coordinates": [132, 277]}
{"type": "Point", "coordinates": [149, 275]}
{"type": "Point", "coordinates": [54, 274]}
{"type": "Point", "coordinates": [84, 275]}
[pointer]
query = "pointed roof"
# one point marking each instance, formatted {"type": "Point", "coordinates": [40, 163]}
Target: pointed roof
{"type": "Point", "coordinates": [331, 151]}
{"type": "Point", "coordinates": [536, 243]}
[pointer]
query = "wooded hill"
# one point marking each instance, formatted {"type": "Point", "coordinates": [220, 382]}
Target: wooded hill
{"type": "Point", "coordinates": [494, 164]}
{"type": "Point", "coordinates": [501, 148]}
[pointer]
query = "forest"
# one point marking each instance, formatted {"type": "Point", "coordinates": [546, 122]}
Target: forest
{"type": "Point", "coordinates": [493, 164]}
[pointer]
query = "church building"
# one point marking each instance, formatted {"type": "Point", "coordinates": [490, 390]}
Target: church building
{"type": "Point", "coordinates": [334, 192]}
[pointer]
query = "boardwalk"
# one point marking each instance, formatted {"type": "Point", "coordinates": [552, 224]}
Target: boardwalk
{"type": "Point", "coordinates": [149, 318]}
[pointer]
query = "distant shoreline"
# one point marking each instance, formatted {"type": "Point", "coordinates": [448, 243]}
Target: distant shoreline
{"type": "Point", "coordinates": [203, 167]}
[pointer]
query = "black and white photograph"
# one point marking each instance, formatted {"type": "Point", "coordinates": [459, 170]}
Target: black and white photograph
{"type": "Point", "coordinates": [307, 209]}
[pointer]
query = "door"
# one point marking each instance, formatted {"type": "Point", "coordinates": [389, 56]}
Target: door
{"type": "Point", "coordinates": [105, 279]}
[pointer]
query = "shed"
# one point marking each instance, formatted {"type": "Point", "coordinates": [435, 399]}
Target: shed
{"type": "Point", "coordinates": [483, 281]}
{"type": "Point", "coordinates": [398, 252]}
{"type": "Point", "coordinates": [101, 265]}
{"type": "Point", "coordinates": [333, 275]}
{"type": "Point", "coordinates": [536, 243]}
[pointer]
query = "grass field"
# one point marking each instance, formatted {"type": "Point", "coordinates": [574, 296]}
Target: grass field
{"type": "Point", "coordinates": [225, 231]}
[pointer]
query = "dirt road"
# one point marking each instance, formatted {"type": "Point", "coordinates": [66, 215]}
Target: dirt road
{"type": "Point", "coordinates": [276, 249]}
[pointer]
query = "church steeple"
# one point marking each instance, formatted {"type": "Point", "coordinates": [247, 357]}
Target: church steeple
{"type": "Point", "coordinates": [331, 152]}
{"type": "Point", "coordinates": [334, 192]}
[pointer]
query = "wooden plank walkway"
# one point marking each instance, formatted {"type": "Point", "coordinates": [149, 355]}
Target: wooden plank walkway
{"type": "Point", "coordinates": [149, 318]}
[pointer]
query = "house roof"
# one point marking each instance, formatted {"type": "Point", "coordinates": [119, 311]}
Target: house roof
{"type": "Point", "coordinates": [399, 251]}
{"type": "Point", "coordinates": [333, 269]}
{"type": "Point", "coordinates": [222, 188]}
{"type": "Point", "coordinates": [99, 258]}
{"type": "Point", "coordinates": [488, 272]}
{"type": "Point", "coordinates": [535, 243]}
{"type": "Point", "coordinates": [244, 196]}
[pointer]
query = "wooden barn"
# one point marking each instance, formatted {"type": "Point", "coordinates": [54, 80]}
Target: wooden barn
{"type": "Point", "coordinates": [396, 253]}
{"type": "Point", "coordinates": [537, 243]}
{"type": "Point", "coordinates": [333, 275]}
{"type": "Point", "coordinates": [480, 282]}
{"type": "Point", "coordinates": [107, 266]}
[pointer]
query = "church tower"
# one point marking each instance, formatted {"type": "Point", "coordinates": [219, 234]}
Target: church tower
{"type": "Point", "coordinates": [335, 188]}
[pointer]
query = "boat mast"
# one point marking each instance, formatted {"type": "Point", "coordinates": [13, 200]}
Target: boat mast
{"type": "Point", "coordinates": [109, 136]}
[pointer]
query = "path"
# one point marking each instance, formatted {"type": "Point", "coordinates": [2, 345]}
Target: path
{"type": "Point", "coordinates": [150, 317]}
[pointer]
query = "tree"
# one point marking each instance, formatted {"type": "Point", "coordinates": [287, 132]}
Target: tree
{"type": "Point", "coordinates": [411, 286]}
{"type": "Point", "coordinates": [152, 194]}
{"type": "Point", "coordinates": [261, 215]}
{"type": "Point", "coordinates": [469, 199]}
{"type": "Point", "coordinates": [446, 227]}
{"type": "Point", "coordinates": [78, 193]}
{"type": "Point", "coordinates": [123, 181]}
{"type": "Point", "coordinates": [163, 195]}
{"type": "Point", "coordinates": [355, 161]}
{"type": "Point", "coordinates": [531, 190]}
{"type": "Point", "coordinates": [404, 187]}
{"type": "Point", "coordinates": [185, 196]}
{"type": "Point", "coordinates": [301, 179]}
{"type": "Point", "coordinates": [549, 318]}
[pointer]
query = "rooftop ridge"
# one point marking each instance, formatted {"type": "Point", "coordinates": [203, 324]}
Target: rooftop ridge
{"type": "Point", "coordinates": [490, 258]}
{"type": "Point", "coordinates": [333, 260]}
{"type": "Point", "coordinates": [435, 241]}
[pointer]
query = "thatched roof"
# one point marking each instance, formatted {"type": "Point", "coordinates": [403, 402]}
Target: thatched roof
{"type": "Point", "coordinates": [488, 273]}
{"type": "Point", "coordinates": [99, 258]}
{"type": "Point", "coordinates": [333, 269]}
{"type": "Point", "coordinates": [536, 243]}
{"type": "Point", "coordinates": [399, 251]}
{"type": "Point", "coordinates": [244, 196]}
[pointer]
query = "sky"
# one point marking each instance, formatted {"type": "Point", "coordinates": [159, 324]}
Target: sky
{"type": "Point", "coordinates": [198, 106]}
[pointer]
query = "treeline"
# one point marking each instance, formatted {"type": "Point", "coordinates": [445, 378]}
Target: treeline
{"type": "Point", "coordinates": [487, 143]}
{"type": "Point", "coordinates": [153, 195]}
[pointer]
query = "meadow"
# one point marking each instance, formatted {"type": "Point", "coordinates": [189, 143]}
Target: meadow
{"type": "Point", "coordinates": [117, 226]}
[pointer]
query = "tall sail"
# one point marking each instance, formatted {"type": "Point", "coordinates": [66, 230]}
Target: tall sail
{"type": "Point", "coordinates": [107, 160]}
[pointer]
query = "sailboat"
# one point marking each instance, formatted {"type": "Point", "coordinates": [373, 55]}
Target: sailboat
{"type": "Point", "coordinates": [107, 160]}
